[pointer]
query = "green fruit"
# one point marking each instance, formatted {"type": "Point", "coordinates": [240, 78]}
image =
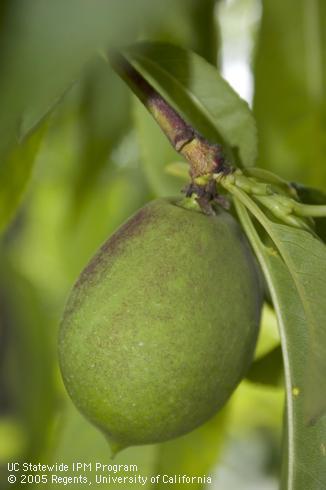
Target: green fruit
{"type": "Point", "coordinates": [161, 325]}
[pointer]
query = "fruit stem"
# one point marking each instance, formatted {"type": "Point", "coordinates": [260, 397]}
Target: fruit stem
{"type": "Point", "coordinates": [204, 157]}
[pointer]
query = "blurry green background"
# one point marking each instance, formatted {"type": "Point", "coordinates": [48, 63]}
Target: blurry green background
{"type": "Point", "coordinates": [78, 155]}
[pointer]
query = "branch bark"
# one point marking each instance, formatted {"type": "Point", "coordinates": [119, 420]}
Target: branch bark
{"type": "Point", "coordinates": [204, 158]}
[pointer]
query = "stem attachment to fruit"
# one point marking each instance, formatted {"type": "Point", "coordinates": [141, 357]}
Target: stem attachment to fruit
{"type": "Point", "coordinates": [204, 157]}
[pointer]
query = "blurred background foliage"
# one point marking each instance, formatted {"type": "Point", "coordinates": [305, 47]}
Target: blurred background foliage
{"type": "Point", "coordinates": [78, 155]}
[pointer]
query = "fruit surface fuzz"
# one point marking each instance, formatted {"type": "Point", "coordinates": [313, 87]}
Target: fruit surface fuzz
{"type": "Point", "coordinates": [161, 325]}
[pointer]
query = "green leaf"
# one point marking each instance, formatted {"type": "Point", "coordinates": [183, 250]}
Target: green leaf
{"type": "Point", "coordinates": [198, 92]}
{"type": "Point", "coordinates": [103, 119]}
{"type": "Point", "coordinates": [289, 101]}
{"type": "Point", "coordinates": [27, 383]}
{"type": "Point", "coordinates": [305, 258]}
{"type": "Point", "coordinates": [193, 454]}
{"type": "Point", "coordinates": [43, 47]}
{"type": "Point", "coordinates": [46, 44]}
{"type": "Point", "coordinates": [304, 446]}
{"type": "Point", "coordinates": [304, 255]}
{"type": "Point", "coordinates": [15, 171]}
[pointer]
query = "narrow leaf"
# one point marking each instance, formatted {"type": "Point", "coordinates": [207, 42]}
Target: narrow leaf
{"type": "Point", "coordinates": [43, 47]}
{"type": "Point", "coordinates": [198, 92]}
{"type": "Point", "coordinates": [305, 258]}
{"type": "Point", "coordinates": [304, 445]}
{"type": "Point", "coordinates": [290, 80]}
{"type": "Point", "coordinates": [27, 382]}
{"type": "Point", "coordinates": [104, 117]}
{"type": "Point", "coordinates": [15, 171]}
